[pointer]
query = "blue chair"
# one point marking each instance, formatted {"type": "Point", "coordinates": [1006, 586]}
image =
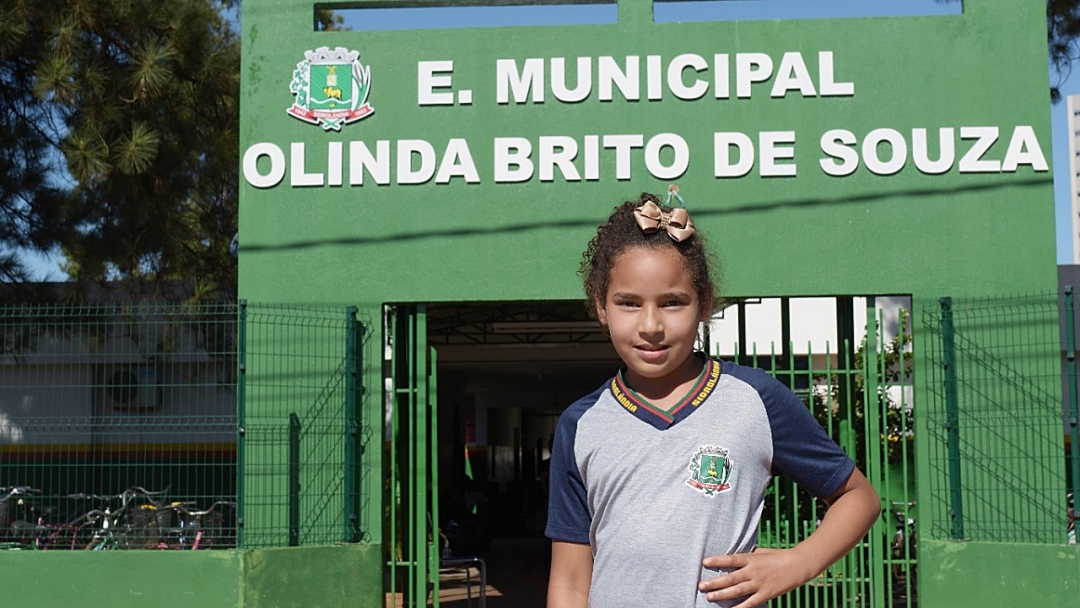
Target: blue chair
{"type": "Point", "coordinates": [449, 561]}
{"type": "Point", "coordinates": [467, 563]}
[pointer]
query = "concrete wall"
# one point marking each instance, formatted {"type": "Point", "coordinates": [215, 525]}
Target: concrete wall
{"type": "Point", "coordinates": [998, 574]}
{"type": "Point", "coordinates": [323, 577]}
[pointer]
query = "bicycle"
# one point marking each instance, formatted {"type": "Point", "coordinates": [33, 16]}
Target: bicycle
{"type": "Point", "coordinates": [18, 514]}
{"type": "Point", "coordinates": [133, 524]}
{"type": "Point", "coordinates": [70, 535]}
{"type": "Point", "coordinates": [76, 532]}
{"type": "Point", "coordinates": [157, 524]}
{"type": "Point", "coordinates": [1070, 520]}
{"type": "Point", "coordinates": [192, 529]}
{"type": "Point", "coordinates": [902, 553]}
{"type": "Point", "coordinates": [210, 525]}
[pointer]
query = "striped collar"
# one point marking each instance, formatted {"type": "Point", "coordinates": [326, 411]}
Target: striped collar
{"type": "Point", "coordinates": [649, 413]}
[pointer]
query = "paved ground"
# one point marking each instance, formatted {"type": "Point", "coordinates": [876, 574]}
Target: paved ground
{"type": "Point", "coordinates": [517, 576]}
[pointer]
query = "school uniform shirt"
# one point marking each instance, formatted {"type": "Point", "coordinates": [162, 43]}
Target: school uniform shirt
{"type": "Point", "coordinates": [654, 493]}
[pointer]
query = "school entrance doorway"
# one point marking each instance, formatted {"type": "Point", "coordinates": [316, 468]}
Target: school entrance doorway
{"type": "Point", "coordinates": [505, 373]}
{"type": "Point", "coordinates": [477, 389]}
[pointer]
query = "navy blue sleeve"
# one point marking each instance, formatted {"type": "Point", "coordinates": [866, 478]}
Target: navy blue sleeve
{"type": "Point", "coordinates": [802, 450]}
{"type": "Point", "coordinates": [568, 505]}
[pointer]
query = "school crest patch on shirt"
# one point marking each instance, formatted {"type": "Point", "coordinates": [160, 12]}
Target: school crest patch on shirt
{"type": "Point", "coordinates": [710, 469]}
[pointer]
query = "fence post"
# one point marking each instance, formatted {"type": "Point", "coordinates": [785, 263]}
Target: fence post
{"type": "Point", "coordinates": [874, 441]}
{"type": "Point", "coordinates": [1074, 430]}
{"type": "Point", "coordinates": [294, 480]}
{"type": "Point", "coordinates": [352, 427]}
{"type": "Point", "coordinates": [241, 383]}
{"type": "Point", "coordinates": [952, 418]}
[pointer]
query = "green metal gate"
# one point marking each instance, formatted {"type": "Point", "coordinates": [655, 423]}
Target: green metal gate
{"type": "Point", "coordinates": [861, 395]}
{"type": "Point", "coordinates": [413, 461]}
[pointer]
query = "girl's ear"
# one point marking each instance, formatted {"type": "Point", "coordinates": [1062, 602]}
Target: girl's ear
{"type": "Point", "coordinates": [705, 312]}
{"type": "Point", "coordinates": [601, 313]}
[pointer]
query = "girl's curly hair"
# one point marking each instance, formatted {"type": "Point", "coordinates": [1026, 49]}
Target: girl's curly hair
{"type": "Point", "coordinates": [621, 232]}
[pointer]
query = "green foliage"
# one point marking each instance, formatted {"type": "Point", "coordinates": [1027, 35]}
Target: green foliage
{"type": "Point", "coordinates": [1062, 29]}
{"type": "Point", "coordinates": [893, 369]}
{"type": "Point", "coordinates": [326, 20]}
{"type": "Point", "coordinates": [140, 100]}
{"type": "Point", "coordinates": [27, 197]}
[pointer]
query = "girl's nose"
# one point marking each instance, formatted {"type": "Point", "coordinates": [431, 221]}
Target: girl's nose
{"type": "Point", "coordinates": [651, 323]}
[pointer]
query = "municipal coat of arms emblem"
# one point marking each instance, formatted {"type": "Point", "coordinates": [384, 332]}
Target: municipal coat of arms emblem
{"type": "Point", "coordinates": [331, 88]}
{"type": "Point", "coordinates": [710, 469]}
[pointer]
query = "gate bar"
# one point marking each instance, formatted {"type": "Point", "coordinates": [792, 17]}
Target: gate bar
{"type": "Point", "coordinates": [353, 449]}
{"type": "Point", "coordinates": [952, 418]}
{"type": "Point", "coordinates": [1074, 430]}
{"type": "Point", "coordinates": [241, 409]}
{"type": "Point", "coordinates": [294, 479]}
{"type": "Point", "coordinates": [873, 414]}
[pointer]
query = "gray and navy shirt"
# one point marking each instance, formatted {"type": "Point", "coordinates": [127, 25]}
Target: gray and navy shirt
{"type": "Point", "coordinates": [654, 492]}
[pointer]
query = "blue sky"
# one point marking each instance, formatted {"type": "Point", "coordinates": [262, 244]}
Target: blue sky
{"type": "Point", "coordinates": [692, 10]}
{"type": "Point", "coordinates": [46, 268]}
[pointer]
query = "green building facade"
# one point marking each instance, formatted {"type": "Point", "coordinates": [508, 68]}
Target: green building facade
{"type": "Point", "coordinates": [821, 157]}
{"type": "Point", "coordinates": [423, 176]}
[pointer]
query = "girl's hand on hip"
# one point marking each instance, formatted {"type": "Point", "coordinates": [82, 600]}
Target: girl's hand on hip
{"type": "Point", "coordinates": [758, 577]}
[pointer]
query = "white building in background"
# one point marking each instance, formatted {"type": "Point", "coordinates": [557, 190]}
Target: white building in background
{"type": "Point", "coordinates": [1074, 171]}
{"type": "Point", "coordinates": [813, 325]}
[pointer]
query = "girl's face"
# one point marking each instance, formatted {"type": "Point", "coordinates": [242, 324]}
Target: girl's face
{"type": "Point", "coordinates": [652, 312]}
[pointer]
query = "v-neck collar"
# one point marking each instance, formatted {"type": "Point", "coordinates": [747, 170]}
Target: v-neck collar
{"type": "Point", "coordinates": [651, 414]}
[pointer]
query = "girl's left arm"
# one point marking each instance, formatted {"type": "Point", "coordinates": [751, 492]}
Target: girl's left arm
{"type": "Point", "coordinates": [768, 573]}
{"type": "Point", "coordinates": [571, 575]}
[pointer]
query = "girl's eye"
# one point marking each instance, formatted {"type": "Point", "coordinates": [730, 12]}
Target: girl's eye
{"type": "Point", "coordinates": [673, 303]}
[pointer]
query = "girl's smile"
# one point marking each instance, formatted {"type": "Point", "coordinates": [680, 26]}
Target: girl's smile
{"type": "Point", "coordinates": [652, 312]}
{"type": "Point", "coordinates": [652, 353]}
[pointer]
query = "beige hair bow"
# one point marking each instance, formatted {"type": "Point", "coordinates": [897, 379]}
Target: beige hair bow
{"type": "Point", "coordinates": [650, 217]}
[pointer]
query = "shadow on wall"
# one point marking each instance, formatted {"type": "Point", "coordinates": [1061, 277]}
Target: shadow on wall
{"type": "Point", "coordinates": [753, 207]}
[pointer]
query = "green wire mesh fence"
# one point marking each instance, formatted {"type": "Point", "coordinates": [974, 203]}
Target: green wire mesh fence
{"type": "Point", "coordinates": [170, 409]}
{"type": "Point", "coordinates": [299, 425]}
{"type": "Point", "coordinates": [98, 400]}
{"type": "Point", "coordinates": [127, 426]}
{"type": "Point", "coordinates": [994, 420]}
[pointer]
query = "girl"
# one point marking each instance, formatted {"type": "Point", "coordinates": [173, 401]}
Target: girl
{"type": "Point", "coordinates": [658, 478]}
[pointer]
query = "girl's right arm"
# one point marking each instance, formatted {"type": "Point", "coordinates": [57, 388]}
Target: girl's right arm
{"type": "Point", "coordinates": [571, 575]}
